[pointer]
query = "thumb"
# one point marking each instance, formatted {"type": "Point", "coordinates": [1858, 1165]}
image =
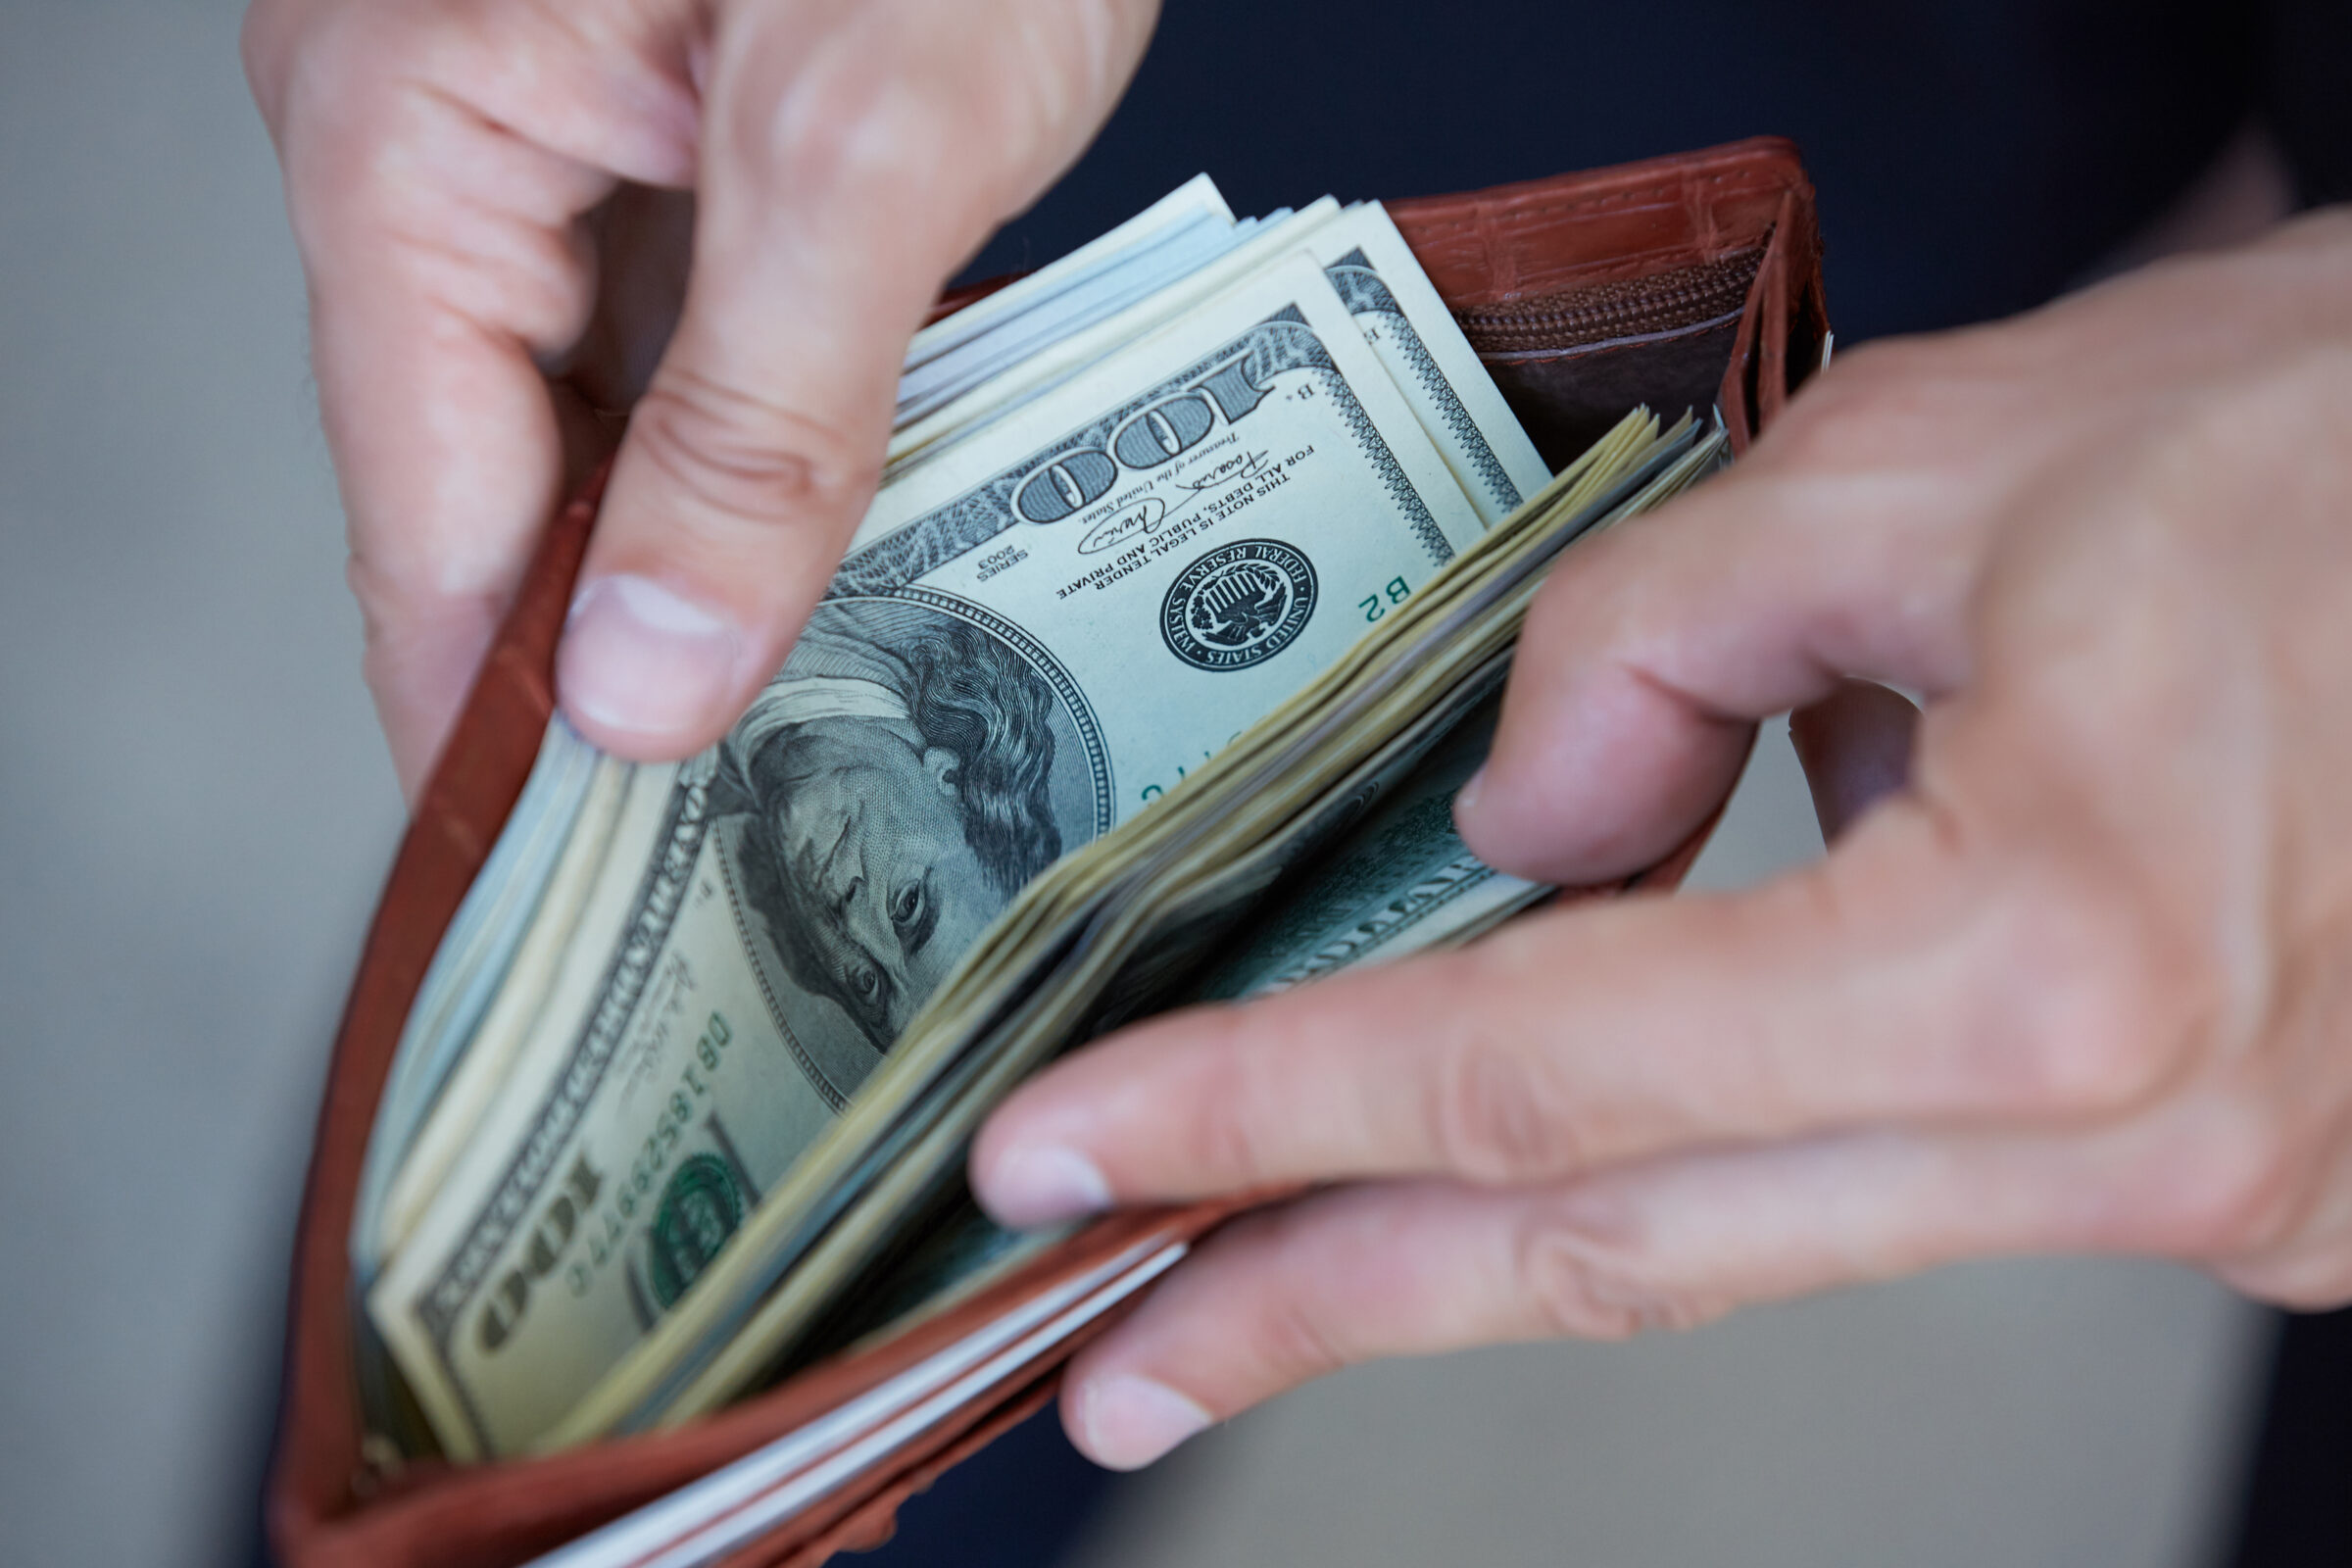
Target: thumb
{"type": "Point", "coordinates": [854, 152]}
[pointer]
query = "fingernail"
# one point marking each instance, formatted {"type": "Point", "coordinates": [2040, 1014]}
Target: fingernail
{"type": "Point", "coordinates": [1125, 1422]}
{"type": "Point", "coordinates": [1029, 1186]}
{"type": "Point", "coordinates": [640, 658]}
{"type": "Point", "coordinates": [1465, 799]}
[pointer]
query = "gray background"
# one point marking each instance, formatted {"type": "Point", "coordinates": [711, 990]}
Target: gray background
{"type": "Point", "coordinates": [194, 811]}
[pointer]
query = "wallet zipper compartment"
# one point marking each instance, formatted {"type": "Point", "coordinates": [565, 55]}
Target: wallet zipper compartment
{"type": "Point", "coordinates": [1675, 301]}
{"type": "Point", "coordinates": [1570, 361]}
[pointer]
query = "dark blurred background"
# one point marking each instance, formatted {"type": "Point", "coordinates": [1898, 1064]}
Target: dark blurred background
{"type": "Point", "coordinates": [195, 808]}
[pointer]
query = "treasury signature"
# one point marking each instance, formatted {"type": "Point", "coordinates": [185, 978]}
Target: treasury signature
{"type": "Point", "coordinates": [1150, 513]}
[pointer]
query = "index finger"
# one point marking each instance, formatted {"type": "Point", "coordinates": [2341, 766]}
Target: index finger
{"type": "Point", "coordinates": [1651, 652]}
{"type": "Point", "coordinates": [1906, 979]}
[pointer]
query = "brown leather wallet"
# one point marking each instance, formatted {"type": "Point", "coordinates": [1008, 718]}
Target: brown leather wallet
{"type": "Point", "coordinates": [1689, 282]}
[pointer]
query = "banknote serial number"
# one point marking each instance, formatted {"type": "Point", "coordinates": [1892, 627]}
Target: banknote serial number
{"type": "Point", "coordinates": [654, 1152]}
{"type": "Point", "coordinates": [640, 1185]}
{"type": "Point", "coordinates": [557, 1225]}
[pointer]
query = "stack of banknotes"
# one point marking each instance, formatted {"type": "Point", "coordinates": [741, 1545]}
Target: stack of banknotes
{"type": "Point", "coordinates": [1147, 678]}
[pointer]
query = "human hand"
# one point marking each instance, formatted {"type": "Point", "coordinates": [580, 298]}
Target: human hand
{"type": "Point", "coordinates": [2082, 983]}
{"type": "Point", "coordinates": [476, 190]}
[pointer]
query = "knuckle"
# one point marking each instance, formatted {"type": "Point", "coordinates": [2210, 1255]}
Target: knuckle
{"type": "Point", "coordinates": [285, 44]}
{"type": "Point", "coordinates": [746, 459]}
{"type": "Point", "coordinates": [1289, 1326]}
{"type": "Point", "coordinates": [1489, 1118]}
{"type": "Point", "coordinates": [408, 618]}
{"type": "Point", "coordinates": [1296, 1341]}
{"type": "Point", "coordinates": [913, 102]}
{"type": "Point", "coordinates": [332, 67]}
{"type": "Point", "coordinates": [1582, 1285]}
{"type": "Point", "coordinates": [859, 115]}
{"type": "Point", "coordinates": [2095, 1005]}
{"type": "Point", "coordinates": [854, 121]}
{"type": "Point", "coordinates": [1222, 1136]}
{"type": "Point", "coordinates": [390, 595]}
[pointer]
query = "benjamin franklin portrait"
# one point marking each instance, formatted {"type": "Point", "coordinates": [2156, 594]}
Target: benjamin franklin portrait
{"type": "Point", "coordinates": [891, 791]}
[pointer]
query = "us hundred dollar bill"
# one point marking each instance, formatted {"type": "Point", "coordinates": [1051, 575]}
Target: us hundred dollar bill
{"type": "Point", "coordinates": [1399, 882]}
{"type": "Point", "coordinates": [1394, 304]}
{"type": "Point", "coordinates": [1014, 656]}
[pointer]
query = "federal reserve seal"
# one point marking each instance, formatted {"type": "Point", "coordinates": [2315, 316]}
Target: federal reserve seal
{"type": "Point", "coordinates": [1240, 605]}
{"type": "Point", "coordinates": [700, 1209]}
